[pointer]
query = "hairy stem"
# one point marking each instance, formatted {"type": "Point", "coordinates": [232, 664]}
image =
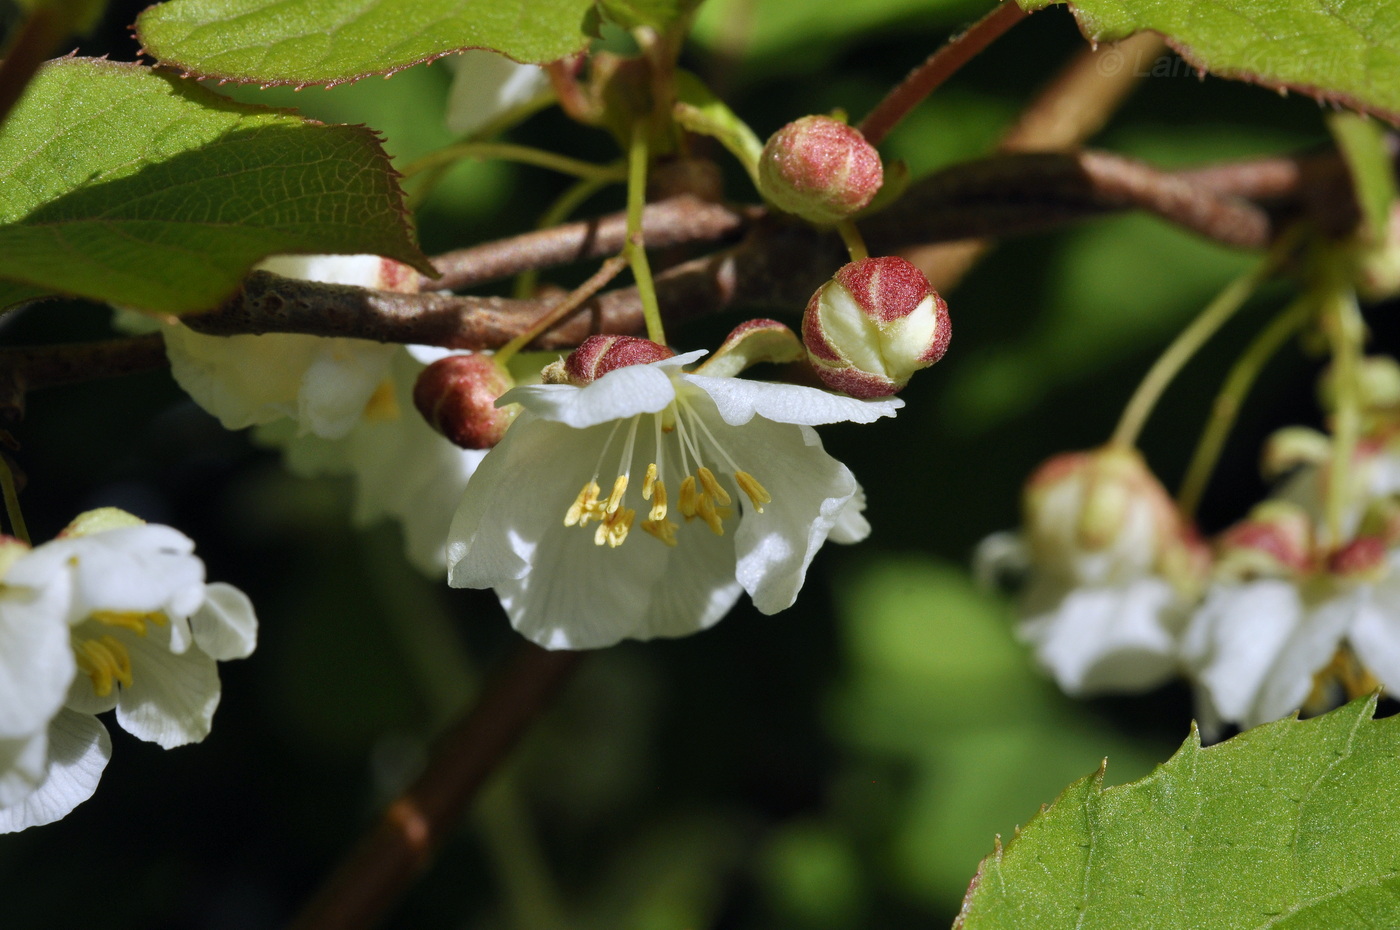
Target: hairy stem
{"type": "Point", "coordinates": [635, 247]}
{"type": "Point", "coordinates": [939, 66]}
{"type": "Point", "coordinates": [11, 494]}
{"type": "Point", "coordinates": [565, 308]}
{"type": "Point", "coordinates": [522, 154]}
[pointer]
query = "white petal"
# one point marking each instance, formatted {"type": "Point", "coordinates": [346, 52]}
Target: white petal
{"type": "Point", "coordinates": [225, 626]}
{"type": "Point", "coordinates": [522, 489]}
{"type": "Point", "coordinates": [79, 749]}
{"type": "Point", "coordinates": [36, 661]}
{"type": "Point", "coordinates": [360, 270]}
{"type": "Point", "coordinates": [23, 762]}
{"type": "Point", "coordinates": [809, 489]}
{"type": "Point", "coordinates": [583, 596]}
{"type": "Point", "coordinates": [243, 380]}
{"type": "Point", "coordinates": [1235, 642]}
{"type": "Point", "coordinates": [740, 399]}
{"type": "Point", "coordinates": [172, 697]}
{"type": "Point", "coordinates": [1376, 633]}
{"type": "Point", "coordinates": [617, 395]}
{"type": "Point", "coordinates": [1313, 644]}
{"type": "Point", "coordinates": [1108, 639]}
{"type": "Point", "coordinates": [851, 525]}
{"type": "Point", "coordinates": [342, 376]}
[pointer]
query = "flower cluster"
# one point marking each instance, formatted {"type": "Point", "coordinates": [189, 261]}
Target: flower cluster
{"type": "Point", "coordinates": [1297, 606]}
{"type": "Point", "coordinates": [114, 614]}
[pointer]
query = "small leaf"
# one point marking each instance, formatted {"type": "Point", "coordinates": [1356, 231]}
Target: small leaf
{"type": "Point", "coordinates": [1363, 146]}
{"type": "Point", "coordinates": [123, 185]}
{"type": "Point", "coordinates": [1292, 824]}
{"type": "Point", "coordinates": [1345, 52]}
{"type": "Point", "coordinates": [334, 41]}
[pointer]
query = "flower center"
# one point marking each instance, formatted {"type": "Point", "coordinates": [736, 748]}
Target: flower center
{"type": "Point", "coordinates": [682, 445]}
{"type": "Point", "coordinates": [104, 658]}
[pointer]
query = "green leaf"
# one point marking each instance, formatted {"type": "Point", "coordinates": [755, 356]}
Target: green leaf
{"type": "Point", "coordinates": [123, 185]}
{"type": "Point", "coordinates": [1346, 51]}
{"type": "Point", "coordinates": [1293, 824]}
{"type": "Point", "coordinates": [333, 41]}
{"type": "Point", "coordinates": [1363, 145]}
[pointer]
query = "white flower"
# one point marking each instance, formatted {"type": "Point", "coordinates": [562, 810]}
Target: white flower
{"type": "Point", "coordinates": [323, 384]}
{"type": "Point", "coordinates": [681, 451]}
{"type": "Point", "coordinates": [1278, 615]}
{"type": "Point", "coordinates": [140, 632]}
{"type": "Point", "coordinates": [401, 467]}
{"type": "Point", "coordinates": [1111, 572]}
{"type": "Point", "coordinates": [487, 85]}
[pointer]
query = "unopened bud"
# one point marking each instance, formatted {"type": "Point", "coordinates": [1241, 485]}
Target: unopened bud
{"type": "Point", "coordinates": [457, 396]}
{"type": "Point", "coordinates": [1377, 382]}
{"type": "Point", "coordinates": [873, 325]}
{"type": "Point", "coordinates": [820, 169]}
{"type": "Point", "coordinates": [1293, 447]}
{"type": "Point", "coordinates": [100, 521]}
{"type": "Point", "coordinates": [1276, 539]}
{"type": "Point", "coordinates": [601, 354]}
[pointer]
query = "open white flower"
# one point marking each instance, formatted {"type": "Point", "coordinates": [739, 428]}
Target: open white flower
{"type": "Point", "coordinates": [402, 469]}
{"type": "Point", "coordinates": [725, 477]}
{"type": "Point", "coordinates": [1111, 572]}
{"type": "Point", "coordinates": [140, 632]}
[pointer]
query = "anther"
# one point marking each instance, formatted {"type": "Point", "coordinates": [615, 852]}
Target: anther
{"type": "Point", "coordinates": [658, 506]}
{"type": "Point", "coordinates": [663, 530]}
{"type": "Point", "coordinates": [129, 619]}
{"type": "Point", "coordinates": [648, 481]}
{"type": "Point", "coordinates": [689, 498]}
{"type": "Point", "coordinates": [755, 491]}
{"type": "Point", "coordinates": [615, 498]}
{"type": "Point", "coordinates": [614, 528]}
{"type": "Point", "coordinates": [584, 506]}
{"type": "Point", "coordinates": [712, 486]}
{"type": "Point", "coordinates": [708, 513]}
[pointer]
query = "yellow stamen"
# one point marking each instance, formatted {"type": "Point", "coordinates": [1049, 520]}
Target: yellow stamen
{"type": "Point", "coordinates": [689, 498]}
{"type": "Point", "coordinates": [658, 506]}
{"type": "Point", "coordinates": [711, 485]}
{"type": "Point", "coordinates": [615, 498]}
{"type": "Point", "coordinates": [614, 528]}
{"type": "Point", "coordinates": [663, 530]}
{"type": "Point", "coordinates": [712, 517]}
{"type": "Point", "coordinates": [648, 481]}
{"type": "Point", "coordinates": [104, 660]}
{"type": "Point", "coordinates": [129, 619]}
{"type": "Point", "coordinates": [755, 491]}
{"type": "Point", "coordinates": [584, 506]}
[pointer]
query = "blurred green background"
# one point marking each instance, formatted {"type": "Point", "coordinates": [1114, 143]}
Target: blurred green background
{"type": "Point", "coordinates": [843, 764]}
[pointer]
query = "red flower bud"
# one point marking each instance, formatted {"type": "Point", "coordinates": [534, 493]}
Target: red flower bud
{"type": "Point", "coordinates": [820, 169]}
{"type": "Point", "coordinates": [873, 325]}
{"type": "Point", "coordinates": [601, 354]}
{"type": "Point", "coordinates": [457, 396]}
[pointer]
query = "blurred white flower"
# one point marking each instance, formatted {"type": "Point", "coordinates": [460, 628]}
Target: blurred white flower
{"type": "Point", "coordinates": [683, 450]}
{"type": "Point", "coordinates": [487, 84]}
{"type": "Point", "coordinates": [142, 633]}
{"type": "Point", "coordinates": [402, 468]}
{"type": "Point", "coordinates": [1110, 571]}
{"type": "Point", "coordinates": [322, 384]}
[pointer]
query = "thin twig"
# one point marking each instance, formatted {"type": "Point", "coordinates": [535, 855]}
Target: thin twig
{"type": "Point", "coordinates": [939, 66]}
{"type": "Point", "coordinates": [24, 368]}
{"type": "Point", "coordinates": [675, 221]}
{"type": "Point", "coordinates": [407, 835]}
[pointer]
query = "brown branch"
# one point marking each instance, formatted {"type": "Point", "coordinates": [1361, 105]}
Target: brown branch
{"type": "Point", "coordinates": [939, 66]}
{"type": "Point", "coordinates": [407, 835]}
{"type": "Point", "coordinates": [676, 221]}
{"type": "Point", "coordinates": [23, 368]}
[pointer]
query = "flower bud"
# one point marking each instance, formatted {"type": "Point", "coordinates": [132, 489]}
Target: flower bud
{"type": "Point", "coordinates": [1274, 540]}
{"type": "Point", "coordinates": [820, 169]}
{"type": "Point", "coordinates": [601, 354]}
{"type": "Point", "coordinates": [457, 396]}
{"type": "Point", "coordinates": [873, 325]}
{"type": "Point", "coordinates": [1100, 517]}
